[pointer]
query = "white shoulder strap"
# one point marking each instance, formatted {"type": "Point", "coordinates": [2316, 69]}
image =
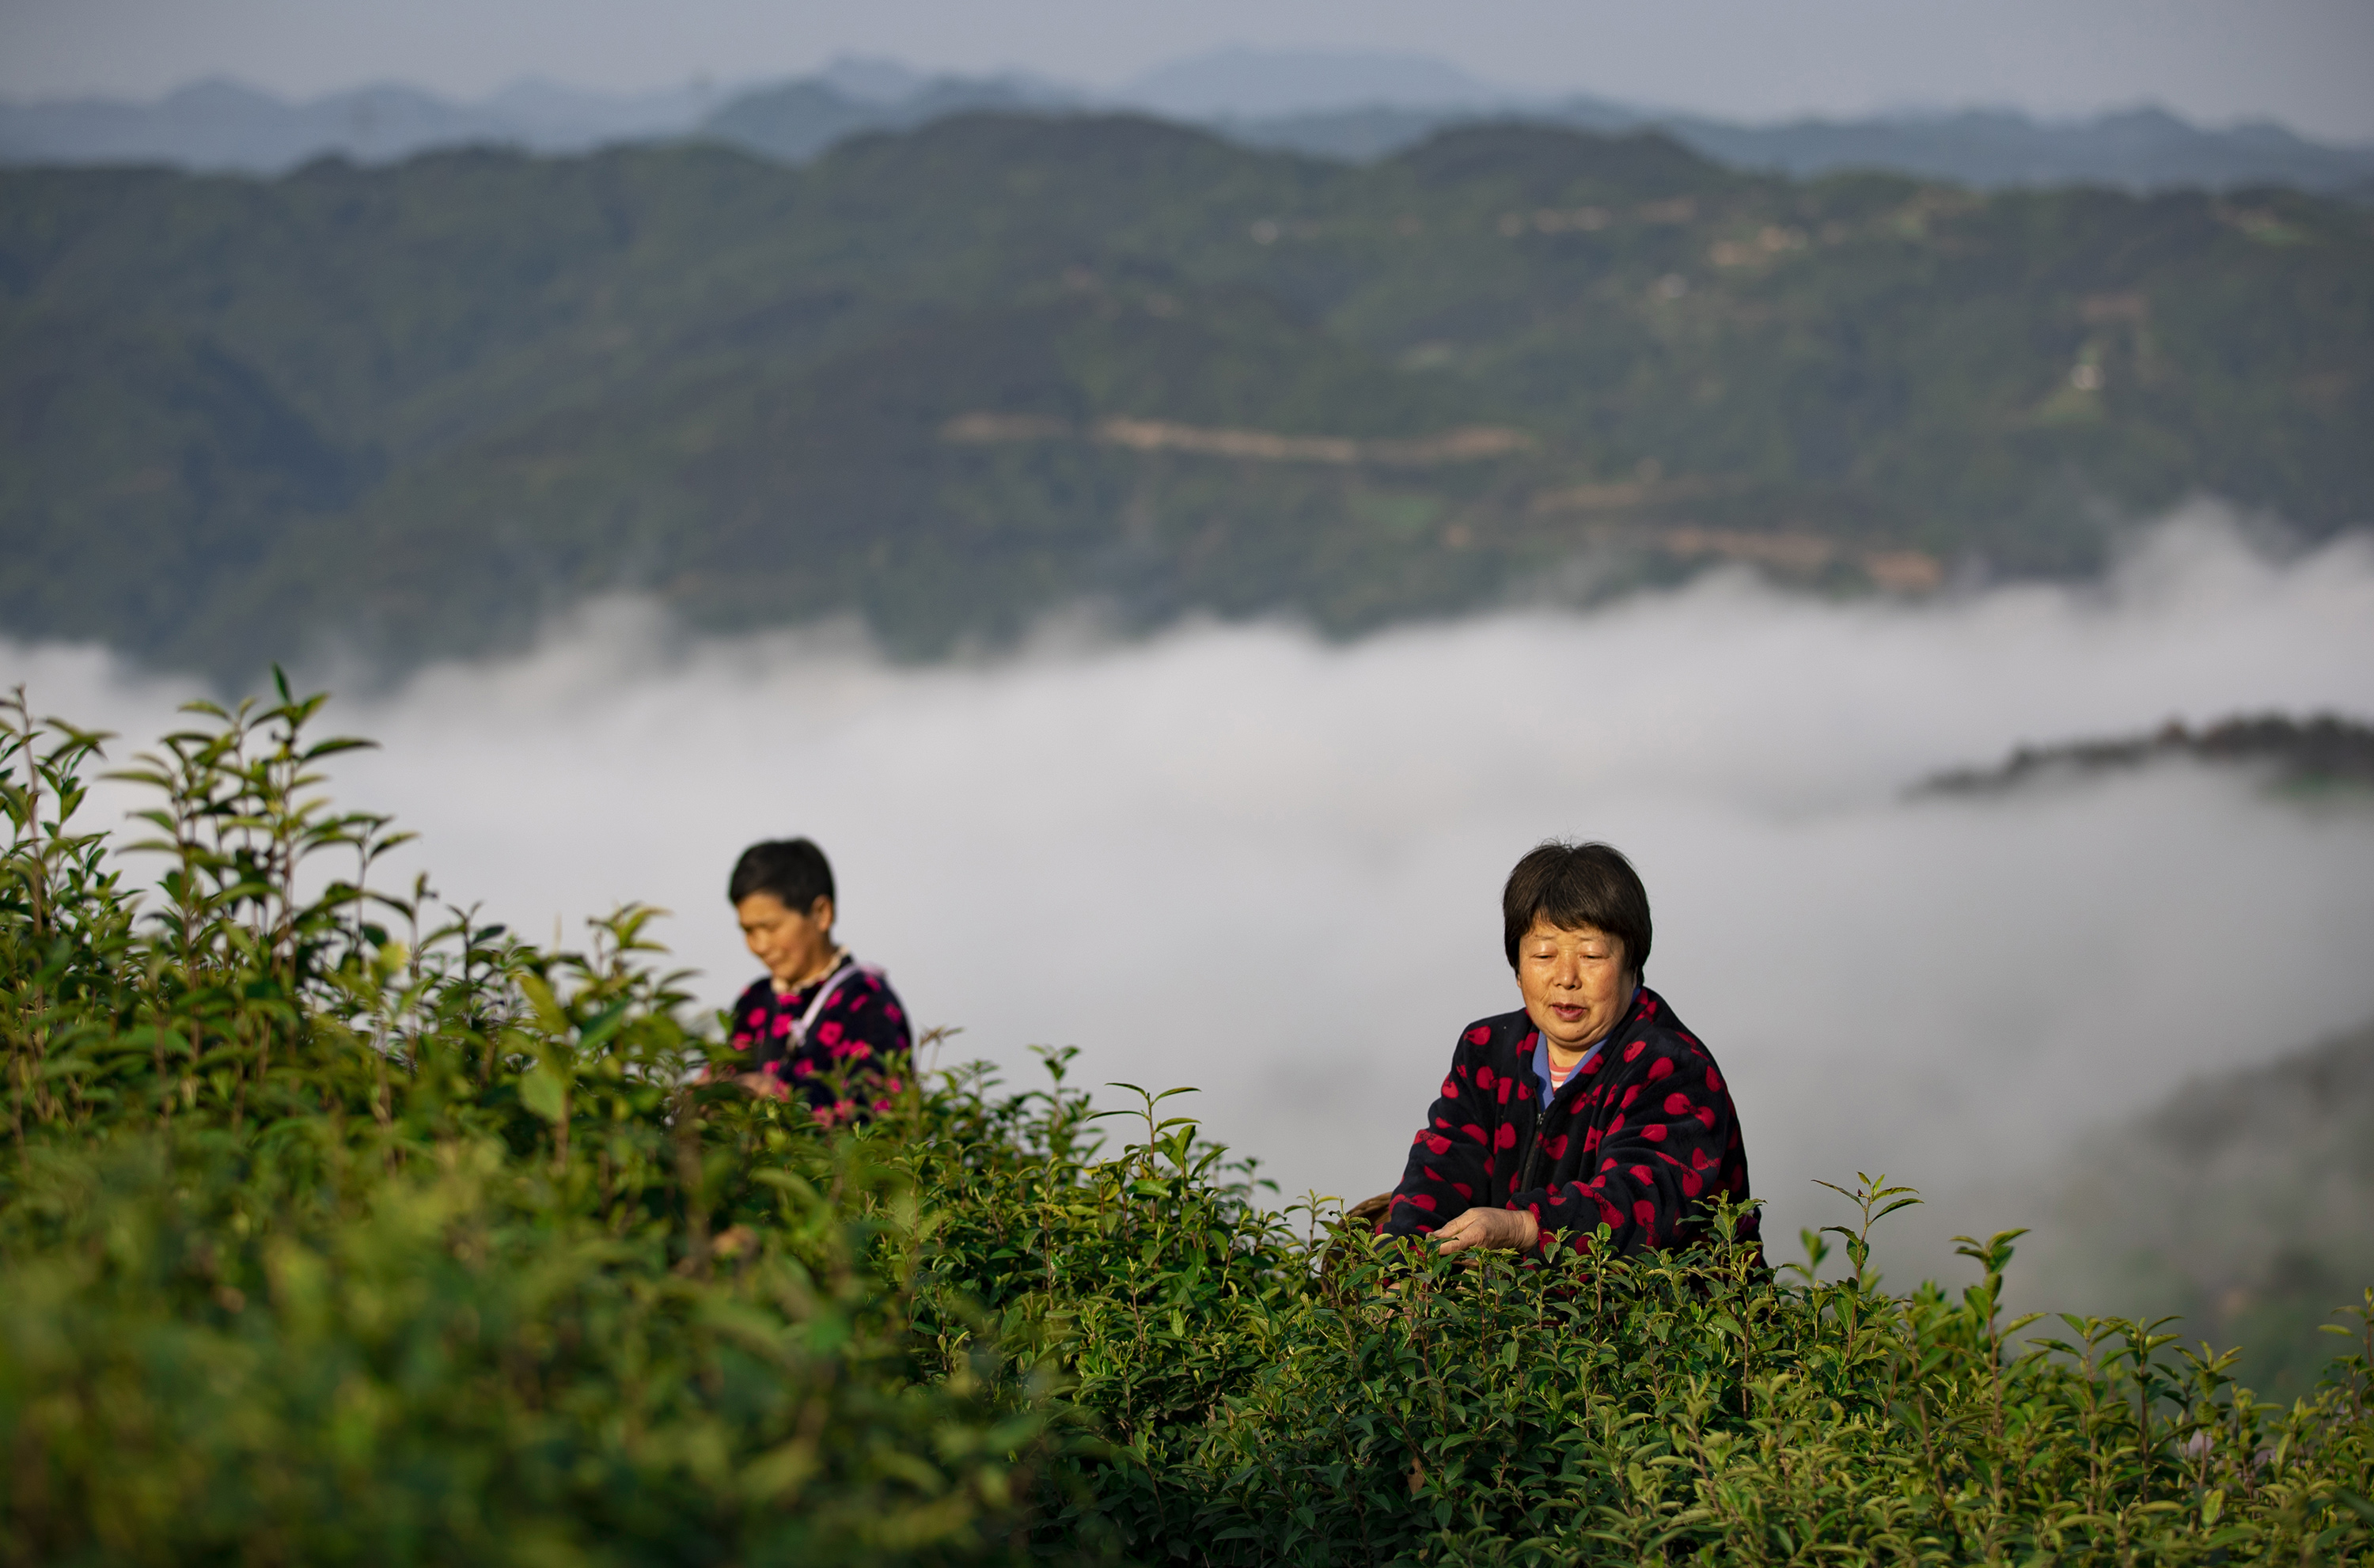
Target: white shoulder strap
{"type": "Point", "coordinates": [824, 994]}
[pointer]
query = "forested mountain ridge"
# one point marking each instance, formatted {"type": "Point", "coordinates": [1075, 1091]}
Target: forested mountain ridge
{"type": "Point", "coordinates": [954, 377]}
{"type": "Point", "coordinates": [1332, 105]}
{"type": "Point", "coordinates": [2239, 1202]}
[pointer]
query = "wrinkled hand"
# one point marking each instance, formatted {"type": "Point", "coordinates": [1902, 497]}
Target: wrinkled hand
{"type": "Point", "coordinates": [765, 1085]}
{"type": "Point", "coordinates": [1505, 1228]}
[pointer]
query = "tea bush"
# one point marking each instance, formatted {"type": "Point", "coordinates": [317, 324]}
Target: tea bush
{"type": "Point", "coordinates": [327, 1243]}
{"type": "Point", "coordinates": [1330, 1398]}
{"type": "Point", "coordinates": [338, 1226]}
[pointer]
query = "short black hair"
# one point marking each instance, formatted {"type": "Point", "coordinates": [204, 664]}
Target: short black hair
{"type": "Point", "coordinates": [793, 869]}
{"type": "Point", "coordinates": [1576, 885]}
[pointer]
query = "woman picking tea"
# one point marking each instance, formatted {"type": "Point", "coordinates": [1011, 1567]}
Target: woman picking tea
{"type": "Point", "coordinates": [1591, 1105]}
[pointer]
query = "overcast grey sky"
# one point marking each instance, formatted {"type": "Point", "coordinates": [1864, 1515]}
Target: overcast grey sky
{"type": "Point", "coordinates": [2303, 62]}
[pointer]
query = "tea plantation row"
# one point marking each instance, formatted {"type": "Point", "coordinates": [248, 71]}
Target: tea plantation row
{"type": "Point", "coordinates": [334, 1228]}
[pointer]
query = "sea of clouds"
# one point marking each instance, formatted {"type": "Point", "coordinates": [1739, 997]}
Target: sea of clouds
{"type": "Point", "coordinates": [1247, 859]}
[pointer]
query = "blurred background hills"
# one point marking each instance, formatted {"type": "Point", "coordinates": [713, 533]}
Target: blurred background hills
{"type": "Point", "coordinates": [1336, 103]}
{"type": "Point", "coordinates": [2237, 1203]}
{"type": "Point", "coordinates": [947, 354]}
{"type": "Point", "coordinates": [2237, 1199]}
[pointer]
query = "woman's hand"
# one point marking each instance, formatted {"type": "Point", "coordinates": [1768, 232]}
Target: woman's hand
{"type": "Point", "coordinates": [765, 1085]}
{"type": "Point", "coordinates": [1504, 1228]}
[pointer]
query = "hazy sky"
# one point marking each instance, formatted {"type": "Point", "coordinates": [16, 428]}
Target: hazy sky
{"type": "Point", "coordinates": [1246, 860]}
{"type": "Point", "coordinates": [2308, 63]}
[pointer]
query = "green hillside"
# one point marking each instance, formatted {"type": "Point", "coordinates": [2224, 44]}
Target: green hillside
{"type": "Point", "coordinates": [2240, 1202]}
{"type": "Point", "coordinates": [954, 377]}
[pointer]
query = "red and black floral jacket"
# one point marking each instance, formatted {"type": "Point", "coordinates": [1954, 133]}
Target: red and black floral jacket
{"type": "Point", "coordinates": [1641, 1138]}
{"type": "Point", "coordinates": [859, 1033]}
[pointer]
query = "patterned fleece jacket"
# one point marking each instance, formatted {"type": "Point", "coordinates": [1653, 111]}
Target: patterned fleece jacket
{"type": "Point", "coordinates": [1641, 1138]}
{"type": "Point", "coordinates": [860, 1033]}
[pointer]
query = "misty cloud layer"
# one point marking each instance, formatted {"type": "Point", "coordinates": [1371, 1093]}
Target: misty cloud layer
{"type": "Point", "coordinates": [1249, 860]}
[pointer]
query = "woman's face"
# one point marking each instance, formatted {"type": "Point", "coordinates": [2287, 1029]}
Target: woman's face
{"type": "Point", "coordinates": [1574, 982]}
{"type": "Point", "coordinates": [790, 944]}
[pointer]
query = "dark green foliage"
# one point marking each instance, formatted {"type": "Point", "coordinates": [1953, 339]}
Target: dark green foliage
{"type": "Point", "coordinates": [418, 407]}
{"type": "Point", "coordinates": [328, 1238]}
{"type": "Point", "coordinates": [1384, 1408]}
{"type": "Point", "coordinates": [323, 1244]}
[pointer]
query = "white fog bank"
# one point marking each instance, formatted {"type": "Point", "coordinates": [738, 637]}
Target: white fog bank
{"type": "Point", "coordinates": [1253, 861]}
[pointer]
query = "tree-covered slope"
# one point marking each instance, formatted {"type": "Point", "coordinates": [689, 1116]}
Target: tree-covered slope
{"type": "Point", "coordinates": [954, 377]}
{"type": "Point", "coordinates": [2239, 1202]}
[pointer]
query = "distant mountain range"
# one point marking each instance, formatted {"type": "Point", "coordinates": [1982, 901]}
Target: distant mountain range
{"type": "Point", "coordinates": [220, 125]}
{"type": "Point", "coordinates": [1349, 106]}
{"type": "Point", "coordinates": [2141, 149]}
{"type": "Point", "coordinates": [952, 377]}
{"type": "Point", "coordinates": [1264, 84]}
